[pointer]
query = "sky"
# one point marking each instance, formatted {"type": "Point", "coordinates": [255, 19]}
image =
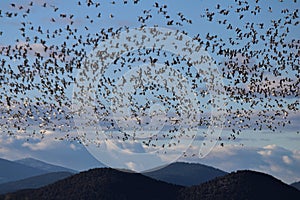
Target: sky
{"type": "Point", "coordinates": [274, 152]}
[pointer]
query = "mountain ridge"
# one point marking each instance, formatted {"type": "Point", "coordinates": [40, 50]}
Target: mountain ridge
{"type": "Point", "coordinates": [186, 174]}
{"type": "Point", "coordinates": [101, 183]}
{"type": "Point", "coordinates": [33, 182]}
{"type": "Point", "coordinates": [111, 184]}
{"type": "Point", "coordinates": [242, 184]}
{"type": "Point", "coordinates": [32, 162]}
{"type": "Point", "coordinates": [296, 185]}
{"type": "Point", "coordinates": [11, 171]}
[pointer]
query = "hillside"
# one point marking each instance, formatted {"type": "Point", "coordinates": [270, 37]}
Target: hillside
{"type": "Point", "coordinates": [110, 184]}
{"type": "Point", "coordinates": [241, 185]}
{"type": "Point", "coordinates": [11, 171]}
{"type": "Point", "coordinates": [296, 185]}
{"type": "Point", "coordinates": [33, 182]}
{"type": "Point", "coordinates": [43, 165]}
{"type": "Point", "coordinates": [102, 184]}
{"type": "Point", "coordinates": [186, 174]}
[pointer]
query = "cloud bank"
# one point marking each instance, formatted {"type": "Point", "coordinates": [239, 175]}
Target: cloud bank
{"type": "Point", "coordinates": [277, 161]}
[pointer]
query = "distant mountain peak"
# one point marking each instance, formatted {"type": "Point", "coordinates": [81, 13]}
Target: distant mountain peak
{"type": "Point", "coordinates": [185, 174]}
{"type": "Point", "coordinates": [32, 162]}
{"type": "Point", "coordinates": [11, 171]}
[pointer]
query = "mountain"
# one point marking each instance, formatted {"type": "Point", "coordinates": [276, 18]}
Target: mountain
{"type": "Point", "coordinates": [33, 182]}
{"type": "Point", "coordinates": [43, 165]}
{"type": "Point", "coordinates": [104, 184]}
{"type": "Point", "coordinates": [110, 184]}
{"type": "Point", "coordinates": [296, 185]}
{"type": "Point", "coordinates": [11, 171]}
{"type": "Point", "coordinates": [241, 185]}
{"type": "Point", "coordinates": [186, 174]}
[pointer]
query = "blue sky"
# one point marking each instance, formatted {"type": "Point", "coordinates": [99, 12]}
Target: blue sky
{"type": "Point", "coordinates": [269, 150]}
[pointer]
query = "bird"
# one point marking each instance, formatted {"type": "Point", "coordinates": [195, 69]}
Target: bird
{"type": "Point", "coordinates": [257, 63]}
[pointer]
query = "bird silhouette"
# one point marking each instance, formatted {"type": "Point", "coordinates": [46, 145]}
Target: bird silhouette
{"type": "Point", "coordinates": [258, 62]}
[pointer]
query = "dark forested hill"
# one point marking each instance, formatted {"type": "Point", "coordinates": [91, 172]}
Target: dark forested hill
{"type": "Point", "coordinates": [241, 185]}
{"type": "Point", "coordinates": [186, 174]}
{"type": "Point", "coordinates": [102, 184]}
{"type": "Point", "coordinates": [110, 184]}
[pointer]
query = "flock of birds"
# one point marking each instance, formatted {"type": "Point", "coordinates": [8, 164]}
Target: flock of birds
{"type": "Point", "coordinates": [258, 62]}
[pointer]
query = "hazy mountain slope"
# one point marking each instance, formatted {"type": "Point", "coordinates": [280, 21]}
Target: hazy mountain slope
{"type": "Point", "coordinates": [43, 165]}
{"type": "Point", "coordinates": [186, 174]}
{"type": "Point", "coordinates": [296, 185]}
{"type": "Point", "coordinates": [102, 184]}
{"type": "Point", "coordinates": [241, 185]}
{"type": "Point", "coordinates": [11, 171]}
{"type": "Point", "coordinates": [33, 182]}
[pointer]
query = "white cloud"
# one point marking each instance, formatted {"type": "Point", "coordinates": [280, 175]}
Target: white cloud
{"type": "Point", "coordinates": [48, 141]}
{"type": "Point", "coordinates": [73, 147]}
{"type": "Point", "coordinates": [265, 152]}
{"type": "Point", "coordinates": [287, 160]}
{"type": "Point", "coordinates": [131, 165]}
{"type": "Point", "coordinates": [271, 147]}
{"type": "Point", "coordinates": [42, 145]}
{"type": "Point", "coordinates": [56, 152]}
{"type": "Point", "coordinates": [128, 147]}
{"type": "Point", "coordinates": [279, 162]}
